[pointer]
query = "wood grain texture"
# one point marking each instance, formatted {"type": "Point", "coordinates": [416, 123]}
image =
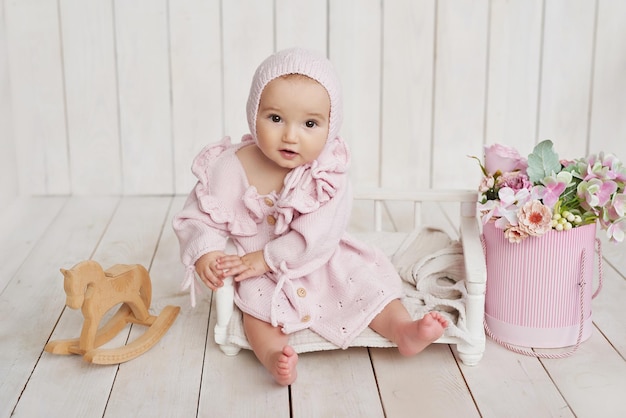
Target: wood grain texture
{"type": "Point", "coordinates": [515, 40]}
{"type": "Point", "coordinates": [25, 221]}
{"type": "Point", "coordinates": [301, 23]}
{"type": "Point", "coordinates": [118, 97]}
{"type": "Point", "coordinates": [595, 372]}
{"type": "Point", "coordinates": [34, 300]}
{"type": "Point", "coordinates": [228, 381]}
{"type": "Point", "coordinates": [143, 71]}
{"type": "Point", "coordinates": [509, 384]}
{"type": "Point", "coordinates": [196, 65]}
{"type": "Point", "coordinates": [8, 166]}
{"type": "Point", "coordinates": [186, 374]}
{"type": "Point", "coordinates": [247, 38]}
{"type": "Point", "coordinates": [91, 96]}
{"type": "Point", "coordinates": [178, 355]}
{"type": "Point", "coordinates": [407, 93]}
{"type": "Point", "coordinates": [566, 75]}
{"type": "Point", "coordinates": [349, 369]}
{"type": "Point", "coordinates": [608, 99]}
{"type": "Point", "coordinates": [460, 80]}
{"type": "Point", "coordinates": [130, 238]}
{"type": "Point", "coordinates": [355, 50]}
{"type": "Point", "coordinates": [37, 96]}
{"type": "Point", "coordinates": [428, 384]}
{"type": "Point", "coordinates": [607, 315]}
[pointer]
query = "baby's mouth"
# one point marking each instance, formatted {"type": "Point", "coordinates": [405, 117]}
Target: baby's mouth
{"type": "Point", "coordinates": [289, 154]}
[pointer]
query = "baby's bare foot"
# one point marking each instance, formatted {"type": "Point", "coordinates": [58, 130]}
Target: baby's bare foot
{"type": "Point", "coordinates": [421, 333]}
{"type": "Point", "coordinates": [284, 367]}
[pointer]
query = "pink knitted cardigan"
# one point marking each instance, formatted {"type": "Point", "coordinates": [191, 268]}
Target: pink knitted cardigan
{"type": "Point", "coordinates": [321, 278]}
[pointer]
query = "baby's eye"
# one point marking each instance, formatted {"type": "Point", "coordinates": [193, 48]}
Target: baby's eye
{"type": "Point", "coordinates": [311, 124]}
{"type": "Point", "coordinates": [275, 118]}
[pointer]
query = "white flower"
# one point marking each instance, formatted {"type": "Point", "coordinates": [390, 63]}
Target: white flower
{"type": "Point", "coordinates": [534, 218]}
{"type": "Point", "coordinates": [514, 234]}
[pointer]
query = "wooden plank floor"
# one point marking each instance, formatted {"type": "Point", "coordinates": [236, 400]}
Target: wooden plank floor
{"type": "Point", "coordinates": [186, 375]}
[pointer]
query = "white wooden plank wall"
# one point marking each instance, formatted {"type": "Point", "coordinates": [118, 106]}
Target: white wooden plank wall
{"type": "Point", "coordinates": [112, 97]}
{"type": "Point", "coordinates": [8, 168]}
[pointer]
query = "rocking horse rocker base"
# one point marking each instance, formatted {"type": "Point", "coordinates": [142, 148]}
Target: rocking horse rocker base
{"type": "Point", "coordinates": [96, 291]}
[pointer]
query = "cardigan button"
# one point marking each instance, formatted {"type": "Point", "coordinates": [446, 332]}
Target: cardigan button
{"type": "Point", "coordinates": [269, 202]}
{"type": "Point", "coordinates": [306, 318]}
{"type": "Point", "coordinates": [301, 292]}
{"type": "Point", "coordinates": [271, 220]}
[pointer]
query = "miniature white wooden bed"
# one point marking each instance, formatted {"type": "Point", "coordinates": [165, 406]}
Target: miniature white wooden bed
{"type": "Point", "coordinates": [467, 334]}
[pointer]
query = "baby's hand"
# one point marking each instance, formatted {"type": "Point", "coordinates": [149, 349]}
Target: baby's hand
{"type": "Point", "coordinates": [208, 270]}
{"type": "Point", "coordinates": [245, 267]}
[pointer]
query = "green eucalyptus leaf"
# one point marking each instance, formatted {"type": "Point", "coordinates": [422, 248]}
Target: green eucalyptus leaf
{"type": "Point", "coordinates": [543, 162]}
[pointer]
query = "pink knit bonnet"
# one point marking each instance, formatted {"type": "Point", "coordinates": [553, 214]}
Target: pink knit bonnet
{"type": "Point", "coordinates": [297, 61]}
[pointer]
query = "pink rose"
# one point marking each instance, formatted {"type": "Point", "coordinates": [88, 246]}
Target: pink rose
{"type": "Point", "coordinates": [503, 158]}
{"type": "Point", "coordinates": [516, 180]}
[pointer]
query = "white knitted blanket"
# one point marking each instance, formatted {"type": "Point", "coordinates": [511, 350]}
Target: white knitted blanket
{"type": "Point", "coordinates": [433, 273]}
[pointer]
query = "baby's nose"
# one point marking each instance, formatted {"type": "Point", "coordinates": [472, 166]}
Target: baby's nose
{"type": "Point", "coordinates": [291, 134]}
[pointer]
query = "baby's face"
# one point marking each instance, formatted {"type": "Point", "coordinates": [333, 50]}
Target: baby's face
{"type": "Point", "coordinates": [292, 120]}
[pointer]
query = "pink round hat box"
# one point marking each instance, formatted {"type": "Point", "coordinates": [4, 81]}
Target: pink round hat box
{"type": "Point", "coordinates": [533, 295]}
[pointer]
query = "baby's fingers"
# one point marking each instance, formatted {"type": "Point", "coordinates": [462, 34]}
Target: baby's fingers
{"type": "Point", "coordinates": [234, 271]}
{"type": "Point", "coordinates": [212, 281]}
{"type": "Point", "coordinates": [246, 273]}
{"type": "Point", "coordinates": [228, 261]}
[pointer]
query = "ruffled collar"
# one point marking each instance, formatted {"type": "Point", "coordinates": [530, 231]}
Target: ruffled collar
{"type": "Point", "coordinates": [309, 186]}
{"type": "Point", "coordinates": [305, 188]}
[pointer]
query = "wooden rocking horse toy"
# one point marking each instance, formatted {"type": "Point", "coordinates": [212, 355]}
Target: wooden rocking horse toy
{"type": "Point", "coordinates": [96, 291]}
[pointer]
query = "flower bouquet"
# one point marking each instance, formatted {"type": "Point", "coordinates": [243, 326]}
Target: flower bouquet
{"type": "Point", "coordinates": [531, 196]}
{"type": "Point", "coordinates": [539, 291]}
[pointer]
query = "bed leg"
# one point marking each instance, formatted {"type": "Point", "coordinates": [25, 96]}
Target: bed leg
{"type": "Point", "coordinates": [224, 305]}
{"type": "Point", "coordinates": [471, 354]}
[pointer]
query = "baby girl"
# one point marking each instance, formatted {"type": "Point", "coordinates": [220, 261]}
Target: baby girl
{"type": "Point", "coordinates": [283, 196]}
